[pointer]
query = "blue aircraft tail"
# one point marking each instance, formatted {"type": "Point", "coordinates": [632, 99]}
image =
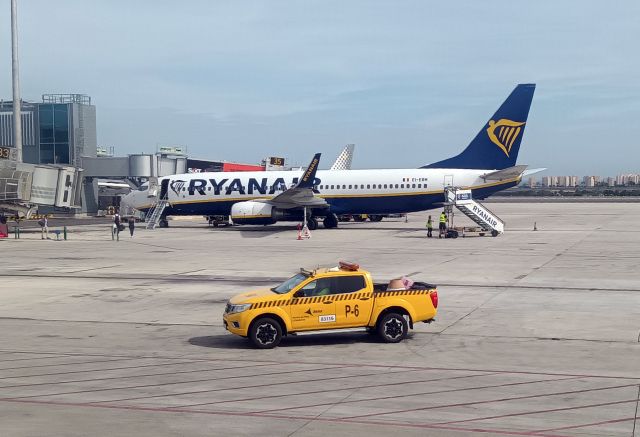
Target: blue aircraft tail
{"type": "Point", "coordinates": [497, 144]}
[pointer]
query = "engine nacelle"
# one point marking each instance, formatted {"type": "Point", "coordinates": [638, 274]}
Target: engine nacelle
{"type": "Point", "coordinates": [253, 213]}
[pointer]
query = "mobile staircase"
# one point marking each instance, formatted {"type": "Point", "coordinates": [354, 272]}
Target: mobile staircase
{"type": "Point", "coordinates": [480, 214]}
{"type": "Point", "coordinates": [154, 215]}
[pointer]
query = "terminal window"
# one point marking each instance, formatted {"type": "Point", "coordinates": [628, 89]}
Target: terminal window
{"type": "Point", "coordinates": [54, 134]}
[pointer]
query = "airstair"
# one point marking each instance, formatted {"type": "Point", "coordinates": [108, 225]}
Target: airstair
{"type": "Point", "coordinates": [155, 213]}
{"type": "Point", "coordinates": [480, 214]}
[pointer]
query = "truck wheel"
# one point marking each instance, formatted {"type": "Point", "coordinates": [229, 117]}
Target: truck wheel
{"type": "Point", "coordinates": [392, 327]}
{"type": "Point", "coordinates": [494, 233]}
{"type": "Point", "coordinates": [265, 333]}
{"type": "Point", "coordinates": [375, 218]}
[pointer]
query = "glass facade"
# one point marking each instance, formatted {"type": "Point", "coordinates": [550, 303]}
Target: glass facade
{"type": "Point", "coordinates": [54, 133]}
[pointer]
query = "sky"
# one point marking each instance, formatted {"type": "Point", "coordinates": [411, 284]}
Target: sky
{"type": "Point", "coordinates": [408, 82]}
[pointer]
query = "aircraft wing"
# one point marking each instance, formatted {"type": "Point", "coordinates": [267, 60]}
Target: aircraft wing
{"type": "Point", "coordinates": [531, 171]}
{"type": "Point", "coordinates": [301, 194]}
{"type": "Point", "coordinates": [507, 173]}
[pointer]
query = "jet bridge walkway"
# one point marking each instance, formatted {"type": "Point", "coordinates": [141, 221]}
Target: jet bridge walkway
{"type": "Point", "coordinates": [476, 211]}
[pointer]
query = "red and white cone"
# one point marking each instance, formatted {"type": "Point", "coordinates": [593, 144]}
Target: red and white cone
{"type": "Point", "coordinates": [299, 232]}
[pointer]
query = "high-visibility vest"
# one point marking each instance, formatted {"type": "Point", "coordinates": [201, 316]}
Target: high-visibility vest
{"type": "Point", "coordinates": [443, 218]}
{"type": "Point", "coordinates": [429, 225]}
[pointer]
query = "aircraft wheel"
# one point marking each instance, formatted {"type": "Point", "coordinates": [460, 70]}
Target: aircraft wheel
{"type": "Point", "coordinates": [330, 221]}
{"type": "Point", "coordinates": [312, 223]}
{"type": "Point", "coordinates": [375, 218]}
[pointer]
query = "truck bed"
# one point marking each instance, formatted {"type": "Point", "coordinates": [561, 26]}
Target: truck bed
{"type": "Point", "coordinates": [382, 286]}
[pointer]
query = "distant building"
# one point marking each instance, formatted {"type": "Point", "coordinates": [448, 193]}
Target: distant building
{"type": "Point", "coordinates": [611, 182]}
{"type": "Point", "coordinates": [627, 179]}
{"type": "Point", "coordinates": [60, 130]}
{"type": "Point", "coordinates": [550, 181]}
{"type": "Point", "coordinates": [589, 181]}
{"type": "Point", "coordinates": [532, 182]}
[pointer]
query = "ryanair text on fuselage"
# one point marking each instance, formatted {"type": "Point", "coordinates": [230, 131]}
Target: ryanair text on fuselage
{"type": "Point", "coordinates": [228, 186]}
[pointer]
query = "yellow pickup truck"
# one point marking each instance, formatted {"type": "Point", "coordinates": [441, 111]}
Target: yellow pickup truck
{"type": "Point", "coordinates": [330, 298]}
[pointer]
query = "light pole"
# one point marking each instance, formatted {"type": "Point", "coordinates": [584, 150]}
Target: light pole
{"type": "Point", "coordinates": [17, 121]}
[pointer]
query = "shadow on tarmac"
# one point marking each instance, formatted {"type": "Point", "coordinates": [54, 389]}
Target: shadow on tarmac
{"type": "Point", "coordinates": [231, 341]}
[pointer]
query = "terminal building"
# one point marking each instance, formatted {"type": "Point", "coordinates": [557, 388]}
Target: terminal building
{"type": "Point", "coordinates": [61, 159]}
{"type": "Point", "coordinates": [59, 130]}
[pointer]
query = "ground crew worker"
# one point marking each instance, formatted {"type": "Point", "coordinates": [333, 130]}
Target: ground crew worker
{"type": "Point", "coordinates": [116, 226]}
{"type": "Point", "coordinates": [44, 223]}
{"type": "Point", "coordinates": [429, 227]}
{"type": "Point", "coordinates": [443, 225]}
{"type": "Point", "coordinates": [132, 225]}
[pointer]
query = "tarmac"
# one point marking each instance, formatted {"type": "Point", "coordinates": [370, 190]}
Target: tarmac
{"type": "Point", "coordinates": [537, 334]}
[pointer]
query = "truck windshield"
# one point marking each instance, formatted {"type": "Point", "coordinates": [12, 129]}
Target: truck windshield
{"type": "Point", "coordinates": [289, 284]}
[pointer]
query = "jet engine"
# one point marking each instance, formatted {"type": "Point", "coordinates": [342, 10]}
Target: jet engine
{"type": "Point", "coordinates": [260, 213]}
{"type": "Point", "coordinates": [252, 213]}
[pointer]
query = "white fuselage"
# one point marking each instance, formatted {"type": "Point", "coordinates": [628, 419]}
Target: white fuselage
{"type": "Point", "coordinates": [346, 191]}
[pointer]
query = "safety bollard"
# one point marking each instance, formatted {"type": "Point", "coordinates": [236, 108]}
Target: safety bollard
{"type": "Point", "coordinates": [64, 230]}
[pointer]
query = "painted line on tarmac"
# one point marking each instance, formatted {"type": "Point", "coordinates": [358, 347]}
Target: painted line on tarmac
{"type": "Point", "coordinates": [357, 387]}
{"type": "Point", "coordinates": [99, 370]}
{"type": "Point", "coordinates": [273, 280]}
{"type": "Point", "coordinates": [294, 418]}
{"type": "Point", "coordinates": [165, 384]}
{"type": "Point", "coordinates": [132, 376]}
{"type": "Point", "coordinates": [585, 425]}
{"type": "Point", "coordinates": [66, 364]}
{"type": "Point", "coordinates": [320, 363]}
{"type": "Point", "coordinates": [527, 413]}
{"type": "Point", "coordinates": [48, 357]}
{"type": "Point", "coordinates": [110, 322]}
{"type": "Point", "coordinates": [301, 381]}
{"type": "Point", "coordinates": [490, 401]}
{"type": "Point", "coordinates": [403, 396]}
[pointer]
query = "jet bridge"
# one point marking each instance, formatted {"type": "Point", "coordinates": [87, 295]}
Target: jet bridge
{"type": "Point", "coordinates": [480, 214]}
{"type": "Point", "coordinates": [24, 187]}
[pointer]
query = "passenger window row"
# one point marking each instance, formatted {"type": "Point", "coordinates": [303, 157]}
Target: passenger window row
{"type": "Point", "coordinates": [369, 186]}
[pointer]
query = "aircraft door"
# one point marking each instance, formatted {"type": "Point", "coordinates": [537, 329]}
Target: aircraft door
{"type": "Point", "coordinates": [448, 180]}
{"type": "Point", "coordinates": [164, 189]}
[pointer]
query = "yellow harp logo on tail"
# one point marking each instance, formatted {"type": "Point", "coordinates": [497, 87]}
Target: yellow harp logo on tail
{"type": "Point", "coordinates": [503, 133]}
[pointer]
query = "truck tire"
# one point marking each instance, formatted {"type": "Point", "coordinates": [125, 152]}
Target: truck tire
{"type": "Point", "coordinates": [392, 327]}
{"type": "Point", "coordinates": [494, 233]}
{"type": "Point", "coordinates": [265, 333]}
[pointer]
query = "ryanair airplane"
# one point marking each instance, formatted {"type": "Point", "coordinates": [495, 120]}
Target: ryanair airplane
{"type": "Point", "coordinates": [486, 166]}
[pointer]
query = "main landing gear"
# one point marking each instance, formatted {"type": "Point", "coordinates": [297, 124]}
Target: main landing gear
{"type": "Point", "coordinates": [330, 221]}
{"type": "Point", "coordinates": [312, 223]}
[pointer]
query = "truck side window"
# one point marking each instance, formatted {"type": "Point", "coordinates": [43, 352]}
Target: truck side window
{"type": "Point", "coordinates": [319, 287]}
{"type": "Point", "coordinates": [348, 284]}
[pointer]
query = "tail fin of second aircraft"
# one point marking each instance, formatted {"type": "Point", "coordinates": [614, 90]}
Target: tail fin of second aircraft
{"type": "Point", "coordinates": [497, 144]}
